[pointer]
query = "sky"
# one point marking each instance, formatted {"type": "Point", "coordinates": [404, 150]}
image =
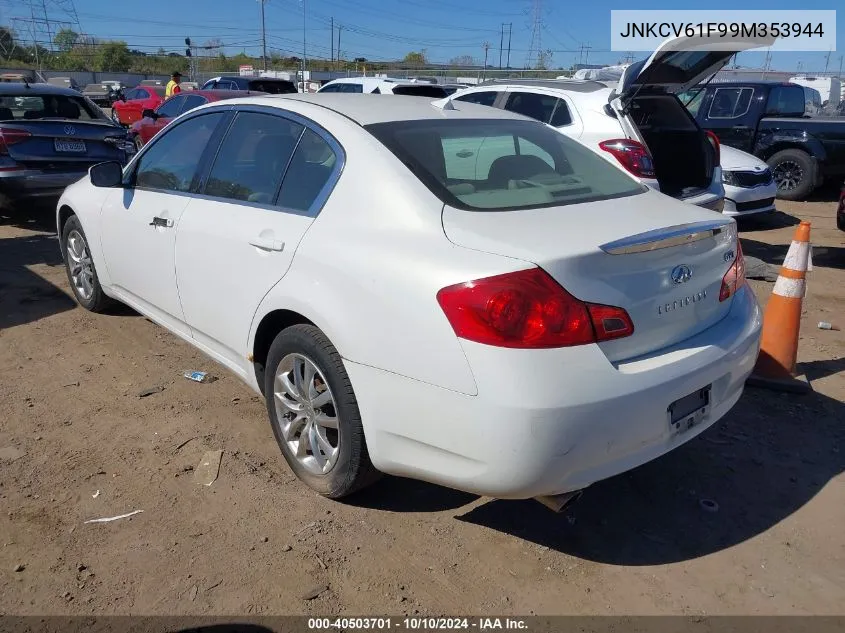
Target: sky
{"type": "Point", "coordinates": [387, 30]}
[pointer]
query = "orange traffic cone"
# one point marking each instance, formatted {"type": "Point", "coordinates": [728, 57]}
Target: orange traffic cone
{"type": "Point", "coordinates": [776, 364]}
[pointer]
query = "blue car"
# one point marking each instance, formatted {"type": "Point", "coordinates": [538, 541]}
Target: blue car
{"type": "Point", "coordinates": [49, 137]}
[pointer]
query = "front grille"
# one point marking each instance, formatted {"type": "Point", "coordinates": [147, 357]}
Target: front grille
{"type": "Point", "coordinates": [755, 204]}
{"type": "Point", "coordinates": [752, 178]}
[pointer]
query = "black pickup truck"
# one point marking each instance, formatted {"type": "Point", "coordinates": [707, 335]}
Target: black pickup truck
{"type": "Point", "coordinates": [767, 119]}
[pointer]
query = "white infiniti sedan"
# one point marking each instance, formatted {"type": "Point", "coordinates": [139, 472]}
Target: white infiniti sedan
{"type": "Point", "coordinates": [448, 292]}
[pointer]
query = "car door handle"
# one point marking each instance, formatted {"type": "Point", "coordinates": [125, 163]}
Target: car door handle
{"type": "Point", "coordinates": [267, 244]}
{"type": "Point", "coordinates": [162, 222]}
{"type": "Point", "coordinates": [741, 127]}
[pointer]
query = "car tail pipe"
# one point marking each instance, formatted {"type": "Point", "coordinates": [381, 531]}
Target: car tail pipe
{"type": "Point", "coordinates": [558, 503]}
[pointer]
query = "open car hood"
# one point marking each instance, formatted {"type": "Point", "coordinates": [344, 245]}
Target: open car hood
{"type": "Point", "coordinates": [680, 63]}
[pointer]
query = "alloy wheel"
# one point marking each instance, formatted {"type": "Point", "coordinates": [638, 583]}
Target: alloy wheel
{"type": "Point", "coordinates": [788, 175]}
{"type": "Point", "coordinates": [80, 264]}
{"type": "Point", "coordinates": [306, 413]}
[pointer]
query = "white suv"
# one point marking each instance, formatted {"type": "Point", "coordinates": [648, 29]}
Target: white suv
{"type": "Point", "coordinates": [640, 122]}
{"type": "Point", "coordinates": [664, 148]}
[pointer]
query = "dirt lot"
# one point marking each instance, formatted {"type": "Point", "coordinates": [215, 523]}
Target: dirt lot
{"type": "Point", "coordinates": [77, 442]}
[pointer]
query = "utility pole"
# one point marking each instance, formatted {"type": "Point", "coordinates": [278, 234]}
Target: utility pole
{"type": "Point", "coordinates": [332, 42]}
{"type": "Point", "coordinates": [339, 29]}
{"type": "Point", "coordinates": [486, 47]}
{"type": "Point", "coordinates": [510, 32]}
{"type": "Point", "coordinates": [827, 60]}
{"type": "Point", "coordinates": [587, 55]}
{"type": "Point", "coordinates": [501, 42]}
{"type": "Point", "coordinates": [303, 46]}
{"type": "Point", "coordinates": [263, 37]}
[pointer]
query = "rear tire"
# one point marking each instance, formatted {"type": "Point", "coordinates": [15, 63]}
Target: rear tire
{"type": "Point", "coordinates": [794, 172]}
{"type": "Point", "coordinates": [314, 413]}
{"type": "Point", "coordinates": [79, 265]}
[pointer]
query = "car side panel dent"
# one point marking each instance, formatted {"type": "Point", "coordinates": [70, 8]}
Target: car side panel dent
{"type": "Point", "coordinates": [771, 141]}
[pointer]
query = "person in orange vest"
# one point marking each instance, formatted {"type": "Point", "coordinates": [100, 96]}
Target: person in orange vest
{"type": "Point", "coordinates": [173, 85]}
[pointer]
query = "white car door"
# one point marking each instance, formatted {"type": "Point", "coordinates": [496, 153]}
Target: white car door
{"type": "Point", "coordinates": [139, 220]}
{"type": "Point", "coordinates": [271, 176]}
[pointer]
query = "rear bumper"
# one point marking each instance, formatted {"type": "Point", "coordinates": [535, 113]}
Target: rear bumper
{"type": "Point", "coordinates": [741, 201]}
{"type": "Point", "coordinates": [34, 183]}
{"type": "Point", "coordinates": [546, 422]}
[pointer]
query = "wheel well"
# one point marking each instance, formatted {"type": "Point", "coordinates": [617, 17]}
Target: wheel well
{"type": "Point", "coordinates": [64, 215]}
{"type": "Point", "coordinates": [272, 323]}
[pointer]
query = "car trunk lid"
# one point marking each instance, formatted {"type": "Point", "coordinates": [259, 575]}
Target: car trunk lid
{"type": "Point", "coordinates": [663, 265]}
{"type": "Point", "coordinates": [63, 142]}
{"type": "Point", "coordinates": [680, 63]}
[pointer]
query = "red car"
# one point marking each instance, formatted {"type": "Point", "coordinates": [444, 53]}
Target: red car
{"type": "Point", "coordinates": [128, 109]}
{"type": "Point", "coordinates": [151, 122]}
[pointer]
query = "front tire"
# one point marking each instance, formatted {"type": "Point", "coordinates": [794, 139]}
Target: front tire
{"type": "Point", "coordinates": [80, 268]}
{"type": "Point", "coordinates": [314, 413]}
{"type": "Point", "coordinates": [794, 172]}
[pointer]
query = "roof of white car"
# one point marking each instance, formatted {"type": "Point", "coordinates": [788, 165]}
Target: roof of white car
{"type": "Point", "coordinates": [366, 109]}
{"type": "Point", "coordinates": [573, 85]}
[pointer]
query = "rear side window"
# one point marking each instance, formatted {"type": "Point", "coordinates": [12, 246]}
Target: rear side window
{"type": "Point", "coordinates": [309, 171]}
{"type": "Point", "coordinates": [357, 88]}
{"type": "Point", "coordinates": [331, 88]}
{"type": "Point", "coordinates": [786, 101]}
{"type": "Point", "coordinates": [28, 106]}
{"type": "Point", "coordinates": [487, 98]}
{"type": "Point", "coordinates": [730, 103]}
{"type": "Point", "coordinates": [253, 158]}
{"type": "Point", "coordinates": [535, 106]}
{"type": "Point", "coordinates": [499, 165]}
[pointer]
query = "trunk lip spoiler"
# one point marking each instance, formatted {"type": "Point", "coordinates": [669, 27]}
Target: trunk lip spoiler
{"type": "Point", "coordinates": [666, 237]}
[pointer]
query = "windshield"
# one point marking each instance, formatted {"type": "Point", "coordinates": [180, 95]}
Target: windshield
{"type": "Point", "coordinates": [501, 164]}
{"type": "Point", "coordinates": [28, 106]}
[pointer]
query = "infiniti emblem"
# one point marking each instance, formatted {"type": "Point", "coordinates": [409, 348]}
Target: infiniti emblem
{"type": "Point", "coordinates": [681, 274]}
{"type": "Point", "coordinates": [70, 130]}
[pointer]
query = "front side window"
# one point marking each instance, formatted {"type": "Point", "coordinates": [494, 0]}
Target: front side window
{"type": "Point", "coordinates": [142, 93]}
{"type": "Point", "coordinates": [356, 88]}
{"type": "Point", "coordinates": [172, 107]}
{"type": "Point", "coordinates": [253, 158]}
{"type": "Point", "coordinates": [330, 88]}
{"type": "Point", "coordinates": [487, 98]}
{"type": "Point", "coordinates": [730, 103]}
{"type": "Point", "coordinates": [172, 161]}
{"type": "Point", "coordinates": [501, 164]}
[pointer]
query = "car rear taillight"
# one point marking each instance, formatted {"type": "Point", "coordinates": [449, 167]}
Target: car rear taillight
{"type": "Point", "coordinates": [717, 147]}
{"type": "Point", "coordinates": [734, 279]}
{"type": "Point", "coordinates": [529, 310]}
{"type": "Point", "coordinates": [632, 154]}
{"type": "Point", "coordinates": [10, 136]}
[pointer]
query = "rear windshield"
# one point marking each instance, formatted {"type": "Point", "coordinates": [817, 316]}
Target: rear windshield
{"type": "Point", "coordinates": [28, 106]}
{"type": "Point", "coordinates": [273, 87]}
{"type": "Point", "coordinates": [420, 90]}
{"type": "Point", "coordinates": [501, 165]}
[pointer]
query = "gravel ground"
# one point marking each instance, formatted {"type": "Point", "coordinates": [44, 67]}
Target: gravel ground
{"type": "Point", "coordinates": [79, 442]}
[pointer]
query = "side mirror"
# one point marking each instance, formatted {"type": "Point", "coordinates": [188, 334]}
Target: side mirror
{"type": "Point", "coordinates": [108, 174]}
{"type": "Point", "coordinates": [149, 114]}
